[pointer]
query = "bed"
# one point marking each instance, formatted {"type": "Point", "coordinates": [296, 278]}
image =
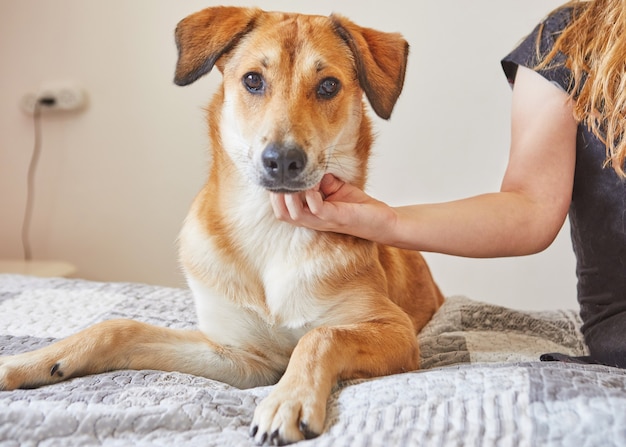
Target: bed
{"type": "Point", "coordinates": [481, 382]}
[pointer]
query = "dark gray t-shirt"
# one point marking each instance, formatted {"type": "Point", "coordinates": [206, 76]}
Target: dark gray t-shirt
{"type": "Point", "coordinates": [597, 212]}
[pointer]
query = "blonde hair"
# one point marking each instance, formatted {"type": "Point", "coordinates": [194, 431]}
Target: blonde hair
{"type": "Point", "coordinates": [595, 45]}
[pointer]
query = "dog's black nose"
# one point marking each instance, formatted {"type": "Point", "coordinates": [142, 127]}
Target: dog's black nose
{"type": "Point", "coordinates": [283, 162]}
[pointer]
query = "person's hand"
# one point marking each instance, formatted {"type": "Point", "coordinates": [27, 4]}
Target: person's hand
{"type": "Point", "coordinates": [333, 205]}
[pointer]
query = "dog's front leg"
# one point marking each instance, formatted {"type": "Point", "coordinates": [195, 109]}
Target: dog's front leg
{"type": "Point", "coordinates": [296, 407]}
{"type": "Point", "coordinates": [128, 344]}
{"type": "Point", "coordinates": [106, 346]}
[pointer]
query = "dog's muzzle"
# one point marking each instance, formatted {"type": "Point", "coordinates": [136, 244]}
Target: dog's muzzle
{"type": "Point", "coordinates": [283, 168]}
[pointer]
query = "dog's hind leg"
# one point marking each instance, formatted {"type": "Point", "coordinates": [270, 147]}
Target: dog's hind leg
{"type": "Point", "coordinates": [128, 344]}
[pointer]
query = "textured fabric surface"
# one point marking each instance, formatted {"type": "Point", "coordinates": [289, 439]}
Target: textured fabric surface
{"type": "Point", "coordinates": [465, 331]}
{"type": "Point", "coordinates": [481, 383]}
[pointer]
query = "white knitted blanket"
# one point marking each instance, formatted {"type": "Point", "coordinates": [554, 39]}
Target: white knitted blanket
{"type": "Point", "coordinates": [481, 382]}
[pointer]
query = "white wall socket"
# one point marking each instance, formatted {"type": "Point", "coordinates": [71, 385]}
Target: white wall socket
{"type": "Point", "coordinates": [57, 97]}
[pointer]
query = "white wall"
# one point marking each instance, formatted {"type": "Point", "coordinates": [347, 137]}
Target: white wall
{"type": "Point", "coordinates": [115, 181]}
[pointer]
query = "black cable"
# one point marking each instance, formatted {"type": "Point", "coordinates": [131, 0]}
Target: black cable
{"type": "Point", "coordinates": [30, 186]}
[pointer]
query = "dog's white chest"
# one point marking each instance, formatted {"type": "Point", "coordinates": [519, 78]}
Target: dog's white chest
{"type": "Point", "coordinates": [290, 294]}
{"type": "Point", "coordinates": [288, 272]}
{"type": "Point", "coordinates": [266, 282]}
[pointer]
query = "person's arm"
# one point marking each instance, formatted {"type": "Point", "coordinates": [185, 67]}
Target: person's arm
{"type": "Point", "coordinates": [523, 218]}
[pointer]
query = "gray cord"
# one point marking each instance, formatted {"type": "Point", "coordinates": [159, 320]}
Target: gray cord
{"type": "Point", "coordinates": [30, 186]}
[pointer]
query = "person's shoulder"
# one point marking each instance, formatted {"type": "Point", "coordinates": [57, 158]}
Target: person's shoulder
{"type": "Point", "coordinates": [560, 18]}
{"type": "Point", "coordinates": [532, 49]}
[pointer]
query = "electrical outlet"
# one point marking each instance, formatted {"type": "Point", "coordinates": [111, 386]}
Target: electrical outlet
{"type": "Point", "coordinates": [59, 97]}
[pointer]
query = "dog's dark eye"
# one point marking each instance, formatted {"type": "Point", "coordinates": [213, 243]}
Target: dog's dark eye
{"type": "Point", "coordinates": [328, 88]}
{"type": "Point", "coordinates": [254, 82]}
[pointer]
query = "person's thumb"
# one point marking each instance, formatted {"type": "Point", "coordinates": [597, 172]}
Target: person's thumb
{"type": "Point", "coordinates": [330, 184]}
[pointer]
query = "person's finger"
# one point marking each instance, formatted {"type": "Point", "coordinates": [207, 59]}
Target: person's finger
{"type": "Point", "coordinates": [277, 201]}
{"type": "Point", "coordinates": [314, 201]}
{"type": "Point", "coordinates": [330, 185]}
{"type": "Point", "coordinates": [295, 205]}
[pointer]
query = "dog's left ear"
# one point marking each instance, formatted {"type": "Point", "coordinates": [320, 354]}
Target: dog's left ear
{"type": "Point", "coordinates": [381, 60]}
{"type": "Point", "coordinates": [202, 38]}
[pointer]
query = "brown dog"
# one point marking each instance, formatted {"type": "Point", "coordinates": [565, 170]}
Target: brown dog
{"type": "Point", "coordinates": [274, 301]}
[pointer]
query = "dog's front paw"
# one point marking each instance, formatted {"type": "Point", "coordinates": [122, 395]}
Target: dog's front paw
{"type": "Point", "coordinates": [28, 371]}
{"type": "Point", "coordinates": [288, 416]}
{"type": "Point", "coordinates": [11, 374]}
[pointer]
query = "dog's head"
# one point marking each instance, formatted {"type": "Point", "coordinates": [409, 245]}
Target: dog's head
{"type": "Point", "coordinates": [291, 107]}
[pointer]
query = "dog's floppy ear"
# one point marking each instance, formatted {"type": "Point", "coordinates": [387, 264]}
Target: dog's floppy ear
{"type": "Point", "coordinates": [380, 62]}
{"type": "Point", "coordinates": [202, 38]}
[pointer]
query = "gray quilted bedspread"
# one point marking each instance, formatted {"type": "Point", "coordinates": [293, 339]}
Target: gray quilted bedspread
{"type": "Point", "coordinates": [480, 385]}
